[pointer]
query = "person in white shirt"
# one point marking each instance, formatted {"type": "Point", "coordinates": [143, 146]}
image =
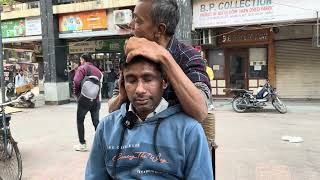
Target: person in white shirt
{"type": "Point", "coordinates": [20, 79]}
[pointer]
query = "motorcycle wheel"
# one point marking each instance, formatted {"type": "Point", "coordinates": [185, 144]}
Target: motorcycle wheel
{"type": "Point", "coordinates": [30, 104]}
{"type": "Point", "coordinates": [279, 105]}
{"type": "Point", "coordinates": [236, 104]}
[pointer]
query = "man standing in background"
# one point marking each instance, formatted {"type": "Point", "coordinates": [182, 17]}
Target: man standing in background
{"type": "Point", "coordinates": [84, 104]}
{"type": "Point", "coordinates": [112, 76]}
{"type": "Point", "coordinates": [20, 80]}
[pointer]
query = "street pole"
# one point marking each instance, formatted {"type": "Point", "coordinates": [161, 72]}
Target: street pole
{"type": "Point", "coordinates": [1, 61]}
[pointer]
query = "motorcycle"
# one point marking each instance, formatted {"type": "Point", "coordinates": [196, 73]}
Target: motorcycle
{"type": "Point", "coordinates": [244, 99]}
{"type": "Point", "coordinates": [26, 98]}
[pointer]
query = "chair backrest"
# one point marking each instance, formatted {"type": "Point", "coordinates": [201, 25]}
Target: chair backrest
{"type": "Point", "coordinates": [209, 128]}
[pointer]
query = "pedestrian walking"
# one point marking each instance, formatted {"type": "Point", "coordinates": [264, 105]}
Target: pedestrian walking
{"type": "Point", "coordinates": [87, 85]}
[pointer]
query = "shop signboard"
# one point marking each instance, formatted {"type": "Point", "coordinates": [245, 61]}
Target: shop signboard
{"type": "Point", "coordinates": [33, 26]}
{"type": "Point", "coordinates": [113, 45]}
{"type": "Point", "coordinates": [82, 47]}
{"type": "Point", "coordinates": [260, 36]}
{"type": "Point", "coordinates": [84, 21]}
{"type": "Point", "coordinates": [221, 13]}
{"type": "Point", "coordinates": [108, 45]}
{"type": "Point", "coordinates": [13, 28]}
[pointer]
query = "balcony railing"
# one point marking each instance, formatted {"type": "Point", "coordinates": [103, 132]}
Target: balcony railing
{"type": "Point", "coordinates": [36, 4]}
{"type": "Point", "coordinates": [21, 6]}
{"type": "Point", "coordinates": [21, 10]}
{"type": "Point", "coordinates": [73, 1]}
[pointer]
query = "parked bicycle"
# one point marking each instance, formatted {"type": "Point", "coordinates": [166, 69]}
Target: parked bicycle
{"type": "Point", "coordinates": [10, 158]}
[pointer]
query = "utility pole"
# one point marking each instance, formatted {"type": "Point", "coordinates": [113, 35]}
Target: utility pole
{"type": "Point", "coordinates": [1, 61]}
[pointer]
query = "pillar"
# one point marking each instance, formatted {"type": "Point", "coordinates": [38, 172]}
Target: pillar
{"type": "Point", "coordinates": [56, 86]}
{"type": "Point", "coordinates": [271, 61]}
{"type": "Point", "coordinates": [183, 30]}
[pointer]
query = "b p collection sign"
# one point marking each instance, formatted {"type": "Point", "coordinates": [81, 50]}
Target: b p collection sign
{"type": "Point", "coordinates": [220, 13]}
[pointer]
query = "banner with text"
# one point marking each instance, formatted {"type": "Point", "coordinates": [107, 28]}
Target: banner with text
{"type": "Point", "coordinates": [84, 21]}
{"type": "Point", "coordinates": [219, 13]}
{"type": "Point", "coordinates": [33, 26]}
{"type": "Point", "coordinates": [107, 45]}
{"type": "Point", "coordinates": [13, 28]}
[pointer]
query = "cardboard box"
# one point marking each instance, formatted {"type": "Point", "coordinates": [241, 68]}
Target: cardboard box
{"type": "Point", "coordinates": [24, 88]}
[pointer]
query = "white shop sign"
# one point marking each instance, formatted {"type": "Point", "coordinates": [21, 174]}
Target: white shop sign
{"type": "Point", "coordinates": [220, 13]}
{"type": "Point", "coordinates": [33, 26]}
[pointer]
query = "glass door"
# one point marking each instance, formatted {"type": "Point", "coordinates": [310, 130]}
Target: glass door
{"type": "Point", "coordinates": [237, 73]}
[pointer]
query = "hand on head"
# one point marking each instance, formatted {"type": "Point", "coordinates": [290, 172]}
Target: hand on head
{"type": "Point", "coordinates": [140, 46]}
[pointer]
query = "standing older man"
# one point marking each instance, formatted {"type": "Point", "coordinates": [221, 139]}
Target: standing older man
{"type": "Point", "coordinates": [154, 25]}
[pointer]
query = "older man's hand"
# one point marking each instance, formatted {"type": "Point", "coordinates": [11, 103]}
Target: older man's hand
{"type": "Point", "coordinates": [140, 46]}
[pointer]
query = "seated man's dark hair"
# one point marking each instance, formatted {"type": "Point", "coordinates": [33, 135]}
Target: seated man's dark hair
{"type": "Point", "coordinates": [139, 58]}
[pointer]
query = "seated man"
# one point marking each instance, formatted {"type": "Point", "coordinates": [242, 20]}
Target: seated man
{"type": "Point", "coordinates": [146, 139]}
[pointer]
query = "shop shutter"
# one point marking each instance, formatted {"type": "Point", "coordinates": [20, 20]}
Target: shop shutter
{"type": "Point", "coordinates": [297, 69]}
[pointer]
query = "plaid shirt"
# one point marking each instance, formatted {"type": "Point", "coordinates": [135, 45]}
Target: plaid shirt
{"type": "Point", "coordinates": [191, 63]}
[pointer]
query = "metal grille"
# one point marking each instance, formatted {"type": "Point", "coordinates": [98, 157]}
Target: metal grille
{"type": "Point", "coordinates": [297, 69]}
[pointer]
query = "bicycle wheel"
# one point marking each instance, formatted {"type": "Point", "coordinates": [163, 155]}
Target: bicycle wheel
{"type": "Point", "coordinates": [10, 160]}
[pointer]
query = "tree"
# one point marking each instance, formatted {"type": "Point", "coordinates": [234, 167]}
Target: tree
{"type": "Point", "coordinates": [6, 2]}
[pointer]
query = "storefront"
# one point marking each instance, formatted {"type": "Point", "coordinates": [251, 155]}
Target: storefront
{"type": "Point", "coordinates": [105, 53]}
{"type": "Point", "coordinates": [265, 40]}
{"type": "Point", "coordinates": [297, 61]}
{"type": "Point", "coordinates": [22, 39]}
{"type": "Point", "coordinates": [240, 60]}
{"type": "Point", "coordinates": [90, 32]}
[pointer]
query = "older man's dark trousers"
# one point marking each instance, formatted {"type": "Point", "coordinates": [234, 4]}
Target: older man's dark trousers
{"type": "Point", "coordinates": [82, 110]}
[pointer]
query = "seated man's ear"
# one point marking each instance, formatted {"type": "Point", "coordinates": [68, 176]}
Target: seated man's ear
{"type": "Point", "coordinates": [165, 83]}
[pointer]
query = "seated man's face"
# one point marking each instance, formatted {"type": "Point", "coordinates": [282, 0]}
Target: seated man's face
{"type": "Point", "coordinates": [144, 86]}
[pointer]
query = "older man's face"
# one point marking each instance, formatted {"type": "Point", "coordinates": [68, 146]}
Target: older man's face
{"type": "Point", "coordinates": [142, 24]}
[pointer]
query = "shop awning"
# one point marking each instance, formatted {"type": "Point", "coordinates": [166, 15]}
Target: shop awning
{"type": "Point", "coordinates": [25, 1]}
{"type": "Point", "coordinates": [21, 39]}
{"type": "Point", "coordinates": [92, 34]}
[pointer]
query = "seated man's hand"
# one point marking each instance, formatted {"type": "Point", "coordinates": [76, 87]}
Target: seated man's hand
{"type": "Point", "coordinates": [122, 91]}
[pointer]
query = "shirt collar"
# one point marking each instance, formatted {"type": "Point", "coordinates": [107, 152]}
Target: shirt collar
{"type": "Point", "coordinates": [172, 45]}
{"type": "Point", "coordinates": [163, 105]}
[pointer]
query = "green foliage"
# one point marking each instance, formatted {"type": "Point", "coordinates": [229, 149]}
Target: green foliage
{"type": "Point", "coordinates": [6, 2]}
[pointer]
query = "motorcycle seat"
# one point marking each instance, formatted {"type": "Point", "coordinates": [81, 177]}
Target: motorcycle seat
{"type": "Point", "coordinates": [241, 90]}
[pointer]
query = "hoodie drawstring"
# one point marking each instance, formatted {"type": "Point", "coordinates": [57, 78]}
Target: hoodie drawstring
{"type": "Point", "coordinates": [114, 165]}
{"type": "Point", "coordinates": [156, 150]}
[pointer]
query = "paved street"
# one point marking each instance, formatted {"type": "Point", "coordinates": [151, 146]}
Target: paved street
{"type": "Point", "coordinates": [250, 145]}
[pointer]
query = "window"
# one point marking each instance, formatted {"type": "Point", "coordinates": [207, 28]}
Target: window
{"type": "Point", "coordinates": [258, 67]}
{"type": "Point", "coordinates": [216, 62]}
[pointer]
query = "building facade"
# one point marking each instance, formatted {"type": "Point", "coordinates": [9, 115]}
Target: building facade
{"type": "Point", "coordinates": [51, 35]}
{"type": "Point", "coordinates": [54, 33]}
{"type": "Point", "coordinates": [249, 41]}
